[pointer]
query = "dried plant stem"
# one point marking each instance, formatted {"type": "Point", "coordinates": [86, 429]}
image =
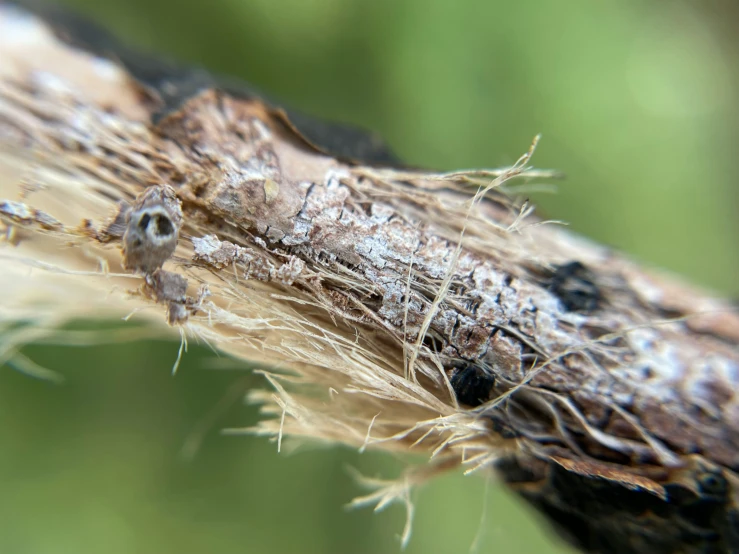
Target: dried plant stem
{"type": "Point", "coordinates": [391, 309]}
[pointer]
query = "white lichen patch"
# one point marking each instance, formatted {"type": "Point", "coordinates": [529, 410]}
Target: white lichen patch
{"type": "Point", "coordinates": [290, 270]}
{"type": "Point", "coordinates": [18, 213]}
{"type": "Point", "coordinates": [219, 254]}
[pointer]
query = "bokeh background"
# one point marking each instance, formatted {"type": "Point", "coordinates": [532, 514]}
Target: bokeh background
{"type": "Point", "coordinates": [636, 101]}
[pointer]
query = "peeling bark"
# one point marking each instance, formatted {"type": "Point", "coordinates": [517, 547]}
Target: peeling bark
{"type": "Point", "coordinates": [603, 392]}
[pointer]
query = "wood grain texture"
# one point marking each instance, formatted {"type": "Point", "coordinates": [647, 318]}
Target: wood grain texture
{"type": "Point", "coordinates": [604, 393]}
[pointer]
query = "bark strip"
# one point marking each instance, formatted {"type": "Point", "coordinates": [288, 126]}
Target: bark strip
{"type": "Point", "coordinates": [394, 309]}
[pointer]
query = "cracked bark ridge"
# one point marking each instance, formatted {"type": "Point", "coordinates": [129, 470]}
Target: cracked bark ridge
{"type": "Point", "coordinates": [603, 393]}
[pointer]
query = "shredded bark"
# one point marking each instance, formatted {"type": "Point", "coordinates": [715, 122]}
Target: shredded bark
{"type": "Point", "coordinates": [444, 316]}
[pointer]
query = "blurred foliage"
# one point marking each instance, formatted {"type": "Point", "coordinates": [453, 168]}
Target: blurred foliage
{"type": "Point", "coordinates": [635, 101]}
{"type": "Point", "coordinates": [123, 458]}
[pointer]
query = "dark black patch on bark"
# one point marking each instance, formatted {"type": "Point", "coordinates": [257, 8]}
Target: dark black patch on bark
{"type": "Point", "coordinates": [573, 284]}
{"type": "Point", "coordinates": [732, 531]}
{"type": "Point", "coordinates": [174, 83]}
{"type": "Point", "coordinates": [606, 517]}
{"type": "Point", "coordinates": [341, 141]}
{"type": "Point", "coordinates": [472, 384]}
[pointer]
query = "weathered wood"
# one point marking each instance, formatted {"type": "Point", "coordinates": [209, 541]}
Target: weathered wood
{"type": "Point", "coordinates": [413, 313]}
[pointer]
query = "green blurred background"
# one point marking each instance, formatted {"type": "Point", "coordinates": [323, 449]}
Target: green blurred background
{"type": "Point", "coordinates": [636, 104]}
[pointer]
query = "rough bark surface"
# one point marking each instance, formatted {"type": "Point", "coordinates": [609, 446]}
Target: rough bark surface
{"type": "Point", "coordinates": [408, 310]}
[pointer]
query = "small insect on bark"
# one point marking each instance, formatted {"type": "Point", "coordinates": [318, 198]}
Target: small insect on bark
{"type": "Point", "coordinates": [153, 224]}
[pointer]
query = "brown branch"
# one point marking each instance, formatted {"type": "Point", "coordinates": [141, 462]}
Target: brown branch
{"type": "Point", "coordinates": [397, 309]}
